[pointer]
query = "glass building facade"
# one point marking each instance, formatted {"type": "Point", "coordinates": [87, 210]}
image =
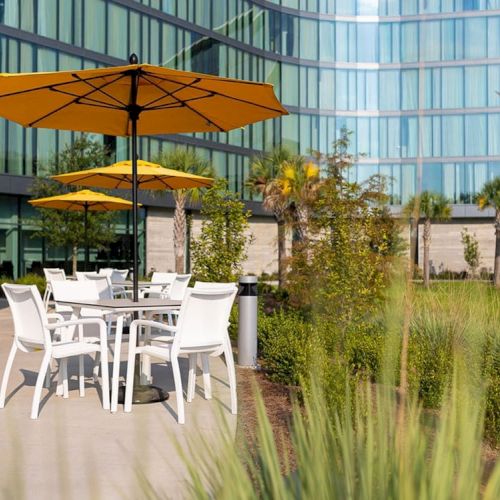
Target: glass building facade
{"type": "Point", "coordinates": [415, 80]}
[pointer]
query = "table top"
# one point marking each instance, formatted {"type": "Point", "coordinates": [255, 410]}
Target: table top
{"type": "Point", "coordinates": [125, 305]}
{"type": "Point", "coordinates": [128, 283]}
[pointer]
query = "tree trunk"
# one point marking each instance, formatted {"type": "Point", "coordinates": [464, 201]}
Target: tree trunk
{"type": "Point", "coordinates": [496, 272]}
{"type": "Point", "coordinates": [74, 256]}
{"type": "Point", "coordinates": [179, 231]}
{"type": "Point", "coordinates": [427, 244]}
{"type": "Point", "coordinates": [281, 251]}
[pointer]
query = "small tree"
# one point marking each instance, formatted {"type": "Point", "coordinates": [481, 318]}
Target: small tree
{"type": "Point", "coordinates": [489, 197]}
{"type": "Point", "coordinates": [471, 251]}
{"type": "Point", "coordinates": [218, 252]}
{"type": "Point", "coordinates": [63, 228]}
{"type": "Point", "coordinates": [431, 207]}
{"type": "Point", "coordinates": [188, 161]}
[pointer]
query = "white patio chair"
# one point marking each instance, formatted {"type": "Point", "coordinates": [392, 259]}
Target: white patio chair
{"type": "Point", "coordinates": [160, 285]}
{"type": "Point", "coordinates": [51, 274]}
{"type": "Point", "coordinates": [81, 275]}
{"type": "Point", "coordinates": [32, 332]}
{"type": "Point", "coordinates": [105, 286]}
{"type": "Point", "coordinates": [116, 275]}
{"type": "Point", "coordinates": [201, 328]}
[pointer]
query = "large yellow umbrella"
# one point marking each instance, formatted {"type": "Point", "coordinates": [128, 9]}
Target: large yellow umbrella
{"type": "Point", "coordinates": [83, 201]}
{"type": "Point", "coordinates": [149, 176]}
{"type": "Point", "coordinates": [132, 100]}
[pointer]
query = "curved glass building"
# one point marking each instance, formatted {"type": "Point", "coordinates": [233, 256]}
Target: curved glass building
{"type": "Point", "coordinates": [415, 80]}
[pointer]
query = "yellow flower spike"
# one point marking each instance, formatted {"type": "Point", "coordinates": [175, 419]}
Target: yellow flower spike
{"type": "Point", "coordinates": [312, 170]}
{"type": "Point", "coordinates": [286, 186]}
{"type": "Point", "coordinates": [482, 202]}
{"type": "Point", "coordinates": [289, 171]}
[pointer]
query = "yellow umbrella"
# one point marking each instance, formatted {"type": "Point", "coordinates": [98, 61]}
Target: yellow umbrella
{"type": "Point", "coordinates": [149, 176]}
{"type": "Point", "coordinates": [84, 201]}
{"type": "Point", "coordinates": [132, 100]}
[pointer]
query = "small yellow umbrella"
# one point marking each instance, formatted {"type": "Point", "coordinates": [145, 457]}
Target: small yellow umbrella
{"type": "Point", "coordinates": [149, 176]}
{"type": "Point", "coordinates": [83, 201]}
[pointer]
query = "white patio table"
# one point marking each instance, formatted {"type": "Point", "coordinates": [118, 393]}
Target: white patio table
{"type": "Point", "coordinates": [121, 307]}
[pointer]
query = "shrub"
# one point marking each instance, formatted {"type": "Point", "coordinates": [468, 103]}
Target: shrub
{"type": "Point", "coordinates": [33, 279]}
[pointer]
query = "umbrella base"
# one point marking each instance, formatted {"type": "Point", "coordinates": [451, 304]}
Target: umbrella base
{"type": "Point", "coordinates": [143, 394]}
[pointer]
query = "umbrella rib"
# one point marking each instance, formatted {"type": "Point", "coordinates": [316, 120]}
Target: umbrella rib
{"type": "Point", "coordinates": [208, 120]}
{"type": "Point", "coordinates": [167, 93]}
{"type": "Point", "coordinates": [175, 105]}
{"type": "Point", "coordinates": [97, 102]}
{"type": "Point", "coordinates": [221, 94]}
{"type": "Point", "coordinates": [99, 89]}
{"type": "Point", "coordinates": [54, 111]}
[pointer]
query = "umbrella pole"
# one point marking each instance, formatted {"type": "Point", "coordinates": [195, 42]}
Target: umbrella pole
{"type": "Point", "coordinates": [143, 394]}
{"type": "Point", "coordinates": [85, 232]}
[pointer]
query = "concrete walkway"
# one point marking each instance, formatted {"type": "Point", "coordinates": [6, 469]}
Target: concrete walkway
{"type": "Point", "coordinates": [76, 450]}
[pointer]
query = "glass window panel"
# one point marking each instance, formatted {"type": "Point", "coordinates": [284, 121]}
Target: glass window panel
{"type": "Point", "coordinates": [453, 89]}
{"type": "Point", "coordinates": [363, 136]}
{"type": "Point", "coordinates": [11, 13]}
{"type": "Point", "coordinates": [371, 90]}
{"type": "Point", "coordinates": [449, 182]}
{"type": "Point", "coordinates": [367, 42]}
{"type": "Point", "coordinates": [327, 41]}
{"type": "Point", "coordinates": [459, 39]}
{"type": "Point", "coordinates": [475, 38]}
{"type": "Point", "coordinates": [475, 86]}
{"type": "Point", "coordinates": [46, 60]}
{"type": "Point", "coordinates": [409, 42]}
{"type": "Point", "coordinates": [436, 136]}
{"type": "Point", "coordinates": [393, 138]}
{"type": "Point", "coordinates": [94, 29]}
{"type": "Point", "coordinates": [409, 89]}
{"type": "Point", "coordinates": [432, 177]}
{"type": "Point", "coordinates": [475, 135]}
{"type": "Point", "coordinates": [385, 40]}
{"type": "Point", "coordinates": [493, 85]}
{"type": "Point", "coordinates": [448, 39]}
{"type": "Point", "coordinates": [341, 45]}
{"type": "Point", "coordinates": [27, 16]}
{"type": "Point", "coordinates": [290, 78]}
{"type": "Point", "coordinates": [383, 138]}
{"type": "Point", "coordinates": [312, 88]}
{"type": "Point", "coordinates": [65, 26]}
{"type": "Point", "coordinates": [408, 182]}
{"type": "Point", "coordinates": [430, 38]}
{"type": "Point", "coordinates": [389, 100]}
{"type": "Point", "coordinates": [117, 31]}
{"type": "Point", "coordinates": [309, 39]}
{"type": "Point", "coordinates": [326, 89]}
{"type": "Point", "coordinates": [47, 18]}
{"type": "Point", "coordinates": [493, 134]}
{"type": "Point", "coordinates": [452, 135]}
{"type": "Point", "coordinates": [202, 12]}
{"type": "Point", "coordinates": [494, 36]}
{"type": "Point", "coordinates": [361, 89]}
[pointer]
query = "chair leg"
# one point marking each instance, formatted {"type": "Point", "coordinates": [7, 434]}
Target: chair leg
{"type": "Point", "coordinates": [228, 354]}
{"type": "Point", "coordinates": [60, 373]}
{"type": "Point", "coordinates": [129, 387]}
{"type": "Point", "coordinates": [47, 377]}
{"type": "Point", "coordinates": [64, 369]}
{"type": "Point", "coordinates": [81, 376]}
{"type": "Point", "coordinates": [178, 389]}
{"type": "Point", "coordinates": [6, 373]}
{"type": "Point", "coordinates": [95, 369]}
{"type": "Point", "coordinates": [105, 379]}
{"type": "Point", "coordinates": [191, 377]}
{"type": "Point", "coordinates": [38, 387]}
{"type": "Point", "coordinates": [205, 363]}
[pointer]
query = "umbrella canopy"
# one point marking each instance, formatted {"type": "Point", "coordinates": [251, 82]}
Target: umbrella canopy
{"type": "Point", "coordinates": [132, 100]}
{"type": "Point", "coordinates": [149, 176]}
{"type": "Point", "coordinates": [103, 101]}
{"type": "Point", "coordinates": [83, 201]}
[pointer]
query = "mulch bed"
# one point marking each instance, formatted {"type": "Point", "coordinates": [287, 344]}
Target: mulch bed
{"type": "Point", "coordinates": [278, 406]}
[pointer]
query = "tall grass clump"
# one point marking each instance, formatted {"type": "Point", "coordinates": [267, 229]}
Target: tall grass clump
{"type": "Point", "coordinates": [383, 441]}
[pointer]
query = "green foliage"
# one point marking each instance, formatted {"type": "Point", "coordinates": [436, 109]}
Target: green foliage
{"type": "Point", "coordinates": [33, 279]}
{"type": "Point", "coordinates": [429, 205]}
{"type": "Point", "coordinates": [362, 454]}
{"type": "Point", "coordinates": [489, 197]}
{"type": "Point", "coordinates": [62, 228]}
{"type": "Point", "coordinates": [471, 251]}
{"type": "Point", "coordinates": [218, 252]}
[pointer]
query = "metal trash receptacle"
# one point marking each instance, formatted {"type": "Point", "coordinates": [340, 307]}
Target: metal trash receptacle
{"type": "Point", "coordinates": [247, 322]}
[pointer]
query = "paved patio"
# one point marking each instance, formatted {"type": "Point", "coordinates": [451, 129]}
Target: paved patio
{"type": "Point", "coordinates": [77, 450]}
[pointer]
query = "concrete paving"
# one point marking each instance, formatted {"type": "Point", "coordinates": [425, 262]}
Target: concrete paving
{"type": "Point", "coordinates": [77, 450]}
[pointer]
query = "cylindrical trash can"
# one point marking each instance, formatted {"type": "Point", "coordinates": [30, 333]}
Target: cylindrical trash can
{"type": "Point", "coordinates": [247, 322]}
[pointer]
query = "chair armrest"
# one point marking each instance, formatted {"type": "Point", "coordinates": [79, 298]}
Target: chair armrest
{"type": "Point", "coordinates": [56, 316]}
{"type": "Point", "coordinates": [153, 324]}
{"type": "Point", "coordinates": [85, 321]}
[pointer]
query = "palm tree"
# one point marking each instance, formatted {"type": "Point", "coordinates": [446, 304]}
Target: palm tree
{"type": "Point", "coordinates": [184, 160]}
{"type": "Point", "coordinates": [431, 207]}
{"type": "Point", "coordinates": [266, 180]}
{"type": "Point", "coordinates": [490, 197]}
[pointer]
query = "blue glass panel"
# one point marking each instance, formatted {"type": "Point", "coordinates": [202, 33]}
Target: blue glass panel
{"type": "Point", "coordinates": [475, 38]}
{"type": "Point", "coordinates": [389, 100]}
{"type": "Point", "coordinates": [493, 134]}
{"type": "Point", "coordinates": [430, 40]}
{"type": "Point", "coordinates": [432, 177]}
{"type": "Point", "coordinates": [409, 42]}
{"type": "Point", "coordinates": [475, 135]}
{"type": "Point", "coordinates": [475, 86]}
{"type": "Point", "coordinates": [367, 42]}
{"type": "Point", "coordinates": [494, 36]}
{"type": "Point", "coordinates": [409, 89]}
{"type": "Point", "coordinates": [452, 135]}
{"type": "Point", "coordinates": [453, 89]}
{"type": "Point", "coordinates": [448, 39]}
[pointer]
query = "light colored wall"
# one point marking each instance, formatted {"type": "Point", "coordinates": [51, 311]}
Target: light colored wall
{"type": "Point", "coordinates": [262, 253]}
{"type": "Point", "coordinates": [447, 251]}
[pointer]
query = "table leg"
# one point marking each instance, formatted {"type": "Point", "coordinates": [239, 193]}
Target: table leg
{"type": "Point", "coordinates": [116, 363]}
{"type": "Point", "coordinates": [146, 360]}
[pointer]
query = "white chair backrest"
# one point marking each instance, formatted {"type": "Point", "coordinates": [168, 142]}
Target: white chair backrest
{"type": "Point", "coordinates": [116, 275]}
{"type": "Point", "coordinates": [103, 285]}
{"type": "Point", "coordinates": [163, 278]}
{"type": "Point", "coordinates": [28, 314]}
{"type": "Point", "coordinates": [54, 274]}
{"type": "Point", "coordinates": [204, 318]}
{"type": "Point", "coordinates": [178, 289]}
{"type": "Point", "coordinates": [82, 275]}
{"type": "Point", "coordinates": [75, 291]}
{"type": "Point", "coordinates": [207, 285]}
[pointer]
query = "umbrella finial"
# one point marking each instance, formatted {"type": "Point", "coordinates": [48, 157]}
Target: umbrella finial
{"type": "Point", "coordinates": [133, 59]}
